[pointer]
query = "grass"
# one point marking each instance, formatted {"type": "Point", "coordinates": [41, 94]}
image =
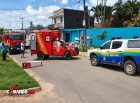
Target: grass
{"type": "Point", "coordinates": [11, 73]}
{"type": "Point", "coordinates": [84, 49]}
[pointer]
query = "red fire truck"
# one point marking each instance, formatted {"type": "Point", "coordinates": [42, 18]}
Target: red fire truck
{"type": "Point", "coordinates": [13, 40]}
{"type": "Point", "coordinates": [47, 42]}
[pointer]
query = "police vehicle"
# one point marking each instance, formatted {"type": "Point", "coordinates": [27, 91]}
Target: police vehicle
{"type": "Point", "coordinates": [120, 52]}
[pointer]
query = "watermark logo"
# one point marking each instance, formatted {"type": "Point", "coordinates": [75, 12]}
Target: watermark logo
{"type": "Point", "coordinates": [16, 90]}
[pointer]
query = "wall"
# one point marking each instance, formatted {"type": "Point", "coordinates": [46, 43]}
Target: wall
{"type": "Point", "coordinates": [126, 33]}
{"type": "Point", "coordinates": [74, 18]}
{"type": "Point", "coordinates": [73, 33]}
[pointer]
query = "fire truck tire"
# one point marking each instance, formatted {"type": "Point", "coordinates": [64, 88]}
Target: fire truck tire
{"type": "Point", "coordinates": [41, 56]}
{"type": "Point", "coordinates": [68, 56]}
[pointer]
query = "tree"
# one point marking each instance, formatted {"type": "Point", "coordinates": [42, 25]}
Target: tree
{"type": "Point", "coordinates": [39, 27]}
{"type": "Point", "coordinates": [100, 14]}
{"type": "Point", "coordinates": [97, 14]}
{"type": "Point", "coordinates": [102, 36]}
{"type": "Point", "coordinates": [118, 14]}
{"type": "Point", "coordinates": [124, 12]}
{"type": "Point", "coordinates": [1, 31]}
{"type": "Point", "coordinates": [31, 25]}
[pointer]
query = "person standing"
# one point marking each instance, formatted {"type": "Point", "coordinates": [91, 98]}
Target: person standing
{"type": "Point", "coordinates": [90, 38]}
{"type": "Point", "coordinates": [3, 51]}
{"type": "Point", "coordinates": [81, 39]}
{"type": "Point", "coordinates": [22, 49]}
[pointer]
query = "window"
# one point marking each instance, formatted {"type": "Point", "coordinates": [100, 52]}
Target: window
{"type": "Point", "coordinates": [133, 44]}
{"type": "Point", "coordinates": [116, 44]}
{"type": "Point", "coordinates": [61, 19]}
{"type": "Point", "coordinates": [54, 21]}
{"type": "Point", "coordinates": [56, 43]}
{"type": "Point", "coordinates": [47, 38]}
{"type": "Point", "coordinates": [106, 45]}
{"type": "Point", "coordinates": [33, 37]}
{"type": "Point", "coordinates": [77, 20]}
{"type": "Point", "coordinates": [16, 37]}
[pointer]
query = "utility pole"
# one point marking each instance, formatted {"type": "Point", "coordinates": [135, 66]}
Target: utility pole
{"type": "Point", "coordinates": [22, 23]}
{"type": "Point", "coordinates": [84, 24]}
{"type": "Point", "coordinates": [104, 12]}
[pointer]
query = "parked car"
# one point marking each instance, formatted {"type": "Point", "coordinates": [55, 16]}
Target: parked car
{"type": "Point", "coordinates": [119, 52]}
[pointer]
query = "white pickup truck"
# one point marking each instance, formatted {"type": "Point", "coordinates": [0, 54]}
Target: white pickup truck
{"type": "Point", "coordinates": [120, 52]}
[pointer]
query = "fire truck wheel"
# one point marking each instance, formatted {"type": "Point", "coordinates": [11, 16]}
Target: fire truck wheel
{"type": "Point", "coordinates": [40, 55]}
{"type": "Point", "coordinates": [68, 56]}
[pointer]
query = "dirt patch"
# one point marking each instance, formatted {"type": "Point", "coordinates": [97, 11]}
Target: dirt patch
{"type": "Point", "coordinates": [41, 93]}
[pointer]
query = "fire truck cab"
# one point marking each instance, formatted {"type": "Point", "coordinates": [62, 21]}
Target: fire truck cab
{"type": "Point", "coordinates": [47, 42]}
{"type": "Point", "coordinates": [13, 40]}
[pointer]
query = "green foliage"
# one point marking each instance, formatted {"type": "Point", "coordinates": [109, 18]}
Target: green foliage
{"type": "Point", "coordinates": [36, 27]}
{"type": "Point", "coordinates": [11, 73]}
{"type": "Point", "coordinates": [1, 31]}
{"type": "Point", "coordinates": [83, 48]}
{"type": "Point", "coordinates": [102, 36]}
{"type": "Point", "coordinates": [0, 38]}
{"type": "Point", "coordinates": [125, 12]}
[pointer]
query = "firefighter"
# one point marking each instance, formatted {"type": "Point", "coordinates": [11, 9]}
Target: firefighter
{"type": "Point", "coordinates": [3, 51]}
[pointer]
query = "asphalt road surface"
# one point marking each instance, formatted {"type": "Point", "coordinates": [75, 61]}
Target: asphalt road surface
{"type": "Point", "coordinates": [76, 81]}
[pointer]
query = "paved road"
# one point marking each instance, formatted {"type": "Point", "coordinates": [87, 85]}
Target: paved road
{"type": "Point", "coordinates": [76, 81]}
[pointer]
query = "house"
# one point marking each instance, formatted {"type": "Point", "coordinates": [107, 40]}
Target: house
{"type": "Point", "coordinates": [67, 19]}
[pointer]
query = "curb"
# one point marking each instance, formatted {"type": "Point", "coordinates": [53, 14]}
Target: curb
{"type": "Point", "coordinates": [4, 92]}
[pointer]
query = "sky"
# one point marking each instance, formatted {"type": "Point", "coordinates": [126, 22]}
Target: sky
{"type": "Point", "coordinates": [37, 11]}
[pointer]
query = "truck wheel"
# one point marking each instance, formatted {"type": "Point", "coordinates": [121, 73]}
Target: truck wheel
{"type": "Point", "coordinates": [94, 61]}
{"type": "Point", "coordinates": [68, 56]}
{"type": "Point", "coordinates": [77, 50]}
{"type": "Point", "coordinates": [130, 67]}
{"type": "Point", "coordinates": [40, 55]}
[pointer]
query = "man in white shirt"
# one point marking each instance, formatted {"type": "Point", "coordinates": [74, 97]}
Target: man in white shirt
{"type": "Point", "coordinates": [22, 49]}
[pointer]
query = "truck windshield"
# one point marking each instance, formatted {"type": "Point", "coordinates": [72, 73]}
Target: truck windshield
{"type": "Point", "coordinates": [16, 37]}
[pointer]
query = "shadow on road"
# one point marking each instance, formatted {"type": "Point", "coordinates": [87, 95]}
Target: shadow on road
{"type": "Point", "coordinates": [112, 67]}
{"type": "Point", "coordinates": [116, 68]}
{"type": "Point", "coordinates": [36, 66]}
{"type": "Point", "coordinates": [59, 58]}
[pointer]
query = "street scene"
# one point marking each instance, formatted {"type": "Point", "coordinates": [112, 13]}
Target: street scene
{"type": "Point", "coordinates": [76, 81]}
{"type": "Point", "coordinates": [70, 51]}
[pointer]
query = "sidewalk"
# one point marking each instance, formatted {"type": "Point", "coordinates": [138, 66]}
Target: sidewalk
{"type": "Point", "coordinates": [84, 54]}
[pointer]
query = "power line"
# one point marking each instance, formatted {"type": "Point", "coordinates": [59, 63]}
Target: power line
{"type": "Point", "coordinates": [33, 7]}
{"type": "Point", "coordinates": [73, 4]}
{"type": "Point", "coordinates": [42, 6]}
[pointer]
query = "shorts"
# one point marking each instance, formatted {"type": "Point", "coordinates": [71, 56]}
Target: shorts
{"type": "Point", "coordinates": [22, 51]}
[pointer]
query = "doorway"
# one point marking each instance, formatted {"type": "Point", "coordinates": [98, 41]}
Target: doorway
{"type": "Point", "coordinates": [67, 38]}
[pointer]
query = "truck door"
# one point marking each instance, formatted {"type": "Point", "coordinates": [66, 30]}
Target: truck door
{"type": "Point", "coordinates": [58, 48]}
{"type": "Point", "coordinates": [116, 52]}
{"type": "Point", "coordinates": [33, 41]}
{"type": "Point", "coordinates": [105, 52]}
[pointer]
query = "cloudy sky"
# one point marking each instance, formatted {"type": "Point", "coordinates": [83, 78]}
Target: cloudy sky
{"type": "Point", "coordinates": [37, 11]}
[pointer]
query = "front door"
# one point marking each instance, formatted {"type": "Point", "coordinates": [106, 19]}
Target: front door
{"type": "Point", "coordinates": [104, 52]}
{"type": "Point", "coordinates": [58, 48]}
{"type": "Point", "coordinates": [116, 52]}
